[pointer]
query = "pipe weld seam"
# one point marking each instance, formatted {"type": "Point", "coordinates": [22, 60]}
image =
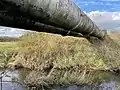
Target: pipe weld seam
{"type": "Point", "coordinates": [91, 32]}
{"type": "Point", "coordinates": [73, 28]}
{"type": "Point", "coordinates": [68, 32]}
{"type": "Point", "coordinates": [76, 25]}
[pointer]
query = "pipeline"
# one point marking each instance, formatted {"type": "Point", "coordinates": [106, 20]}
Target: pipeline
{"type": "Point", "coordinates": [58, 13]}
{"type": "Point", "coordinates": [23, 23]}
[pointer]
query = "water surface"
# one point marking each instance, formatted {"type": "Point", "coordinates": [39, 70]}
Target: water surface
{"type": "Point", "coordinates": [14, 80]}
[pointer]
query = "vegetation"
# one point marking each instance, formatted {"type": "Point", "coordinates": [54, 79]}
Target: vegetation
{"type": "Point", "coordinates": [8, 39]}
{"type": "Point", "coordinates": [7, 50]}
{"type": "Point", "coordinates": [57, 51]}
{"type": "Point", "coordinates": [54, 59]}
{"type": "Point", "coordinates": [8, 46]}
{"type": "Point", "coordinates": [66, 60]}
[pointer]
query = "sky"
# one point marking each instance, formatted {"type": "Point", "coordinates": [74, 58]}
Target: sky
{"type": "Point", "coordinates": [104, 13]}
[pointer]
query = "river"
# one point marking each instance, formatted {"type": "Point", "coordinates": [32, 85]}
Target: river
{"type": "Point", "coordinates": [14, 80]}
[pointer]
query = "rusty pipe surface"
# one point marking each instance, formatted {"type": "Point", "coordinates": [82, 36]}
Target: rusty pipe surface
{"type": "Point", "coordinates": [59, 13]}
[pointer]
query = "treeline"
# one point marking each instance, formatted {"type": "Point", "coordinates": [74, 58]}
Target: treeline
{"type": "Point", "coordinates": [8, 39]}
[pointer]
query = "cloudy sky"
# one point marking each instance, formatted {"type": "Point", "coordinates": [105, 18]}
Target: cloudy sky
{"type": "Point", "coordinates": [105, 13]}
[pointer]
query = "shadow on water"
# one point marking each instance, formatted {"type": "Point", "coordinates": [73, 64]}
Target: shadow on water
{"type": "Point", "coordinates": [14, 80]}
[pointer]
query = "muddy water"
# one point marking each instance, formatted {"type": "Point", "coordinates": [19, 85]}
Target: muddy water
{"type": "Point", "coordinates": [14, 80]}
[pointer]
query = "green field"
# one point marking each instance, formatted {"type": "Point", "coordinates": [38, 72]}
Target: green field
{"type": "Point", "coordinates": [8, 46]}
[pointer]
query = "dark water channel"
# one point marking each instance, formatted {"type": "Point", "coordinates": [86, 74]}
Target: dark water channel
{"type": "Point", "coordinates": [13, 80]}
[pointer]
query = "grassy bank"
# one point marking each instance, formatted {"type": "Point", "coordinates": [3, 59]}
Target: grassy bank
{"type": "Point", "coordinates": [54, 59]}
{"type": "Point", "coordinates": [66, 60]}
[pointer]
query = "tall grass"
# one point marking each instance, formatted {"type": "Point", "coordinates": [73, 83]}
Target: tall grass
{"type": "Point", "coordinates": [43, 50]}
{"type": "Point", "coordinates": [67, 60]}
{"type": "Point", "coordinates": [7, 50]}
{"type": "Point", "coordinates": [108, 50]}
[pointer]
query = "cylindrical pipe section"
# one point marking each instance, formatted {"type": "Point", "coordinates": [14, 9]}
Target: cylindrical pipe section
{"type": "Point", "coordinates": [23, 23]}
{"type": "Point", "coordinates": [59, 13]}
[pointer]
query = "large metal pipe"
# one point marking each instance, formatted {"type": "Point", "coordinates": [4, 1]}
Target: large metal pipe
{"type": "Point", "coordinates": [59, 13]}
{"type": "Point", "coordinates": [23, 23]}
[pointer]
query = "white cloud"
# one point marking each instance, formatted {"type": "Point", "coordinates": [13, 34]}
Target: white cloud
{"type": "Point", "coordinates": [107, 20]}
{"type": "Point", "coordinates": [116, 16]}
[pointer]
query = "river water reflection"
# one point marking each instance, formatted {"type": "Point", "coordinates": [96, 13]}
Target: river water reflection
{"type": "Point", "coordinates": [14, 80]}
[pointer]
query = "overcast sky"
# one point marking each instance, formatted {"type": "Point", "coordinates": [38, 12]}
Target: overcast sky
{"type": "Point", "coordinates": [105, 13]}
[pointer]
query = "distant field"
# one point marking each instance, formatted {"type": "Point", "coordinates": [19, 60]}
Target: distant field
{"type": "Point", "coordinates": [8, 46]}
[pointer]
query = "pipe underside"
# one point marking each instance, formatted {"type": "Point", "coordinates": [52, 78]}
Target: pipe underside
{"type": "Point", "coordinates": [63, 14]}
{"type": "Point", "coordinates": [23, 23]}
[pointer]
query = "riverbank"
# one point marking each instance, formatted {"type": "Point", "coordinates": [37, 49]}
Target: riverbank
{"type": "Point", "coordinates": [14, 79]}
{"type": "Point", "coordinates": [61, 60]}
{"type": "Point", "coordinates": [54, 59]}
